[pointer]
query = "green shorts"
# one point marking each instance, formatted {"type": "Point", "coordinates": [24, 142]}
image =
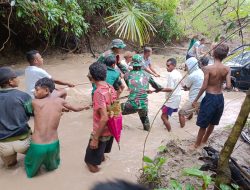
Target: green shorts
{"type": "Point", "coordinates": [42, 154]}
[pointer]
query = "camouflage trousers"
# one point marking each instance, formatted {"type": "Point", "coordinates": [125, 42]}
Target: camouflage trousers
{"type": "Point", "coordinates": [128, 108]}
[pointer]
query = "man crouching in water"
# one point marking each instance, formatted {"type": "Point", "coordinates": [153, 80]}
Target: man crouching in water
{"type": "Point", "coordinates": [44, 147]}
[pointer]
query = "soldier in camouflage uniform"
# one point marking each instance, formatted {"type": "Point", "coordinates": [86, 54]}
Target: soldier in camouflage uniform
{"type": "Point", "coordinates": [116, 48]}
{"type": "Point", "coordinates": [138, 83]}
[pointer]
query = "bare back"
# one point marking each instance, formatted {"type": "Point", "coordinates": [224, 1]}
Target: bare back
{"type": "Point", "coordinates": [47, 113]}
{"type": "Point", "coordinates": [216, 75]}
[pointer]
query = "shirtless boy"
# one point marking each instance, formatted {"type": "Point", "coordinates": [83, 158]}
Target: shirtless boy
{"type": "Point", "coordinates": [44, 148]}
{"type": "Point", "coordinates": [212, 105]}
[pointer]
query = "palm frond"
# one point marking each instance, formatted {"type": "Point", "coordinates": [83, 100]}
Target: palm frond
{"type": "Point", "coordinates": [132, 23]}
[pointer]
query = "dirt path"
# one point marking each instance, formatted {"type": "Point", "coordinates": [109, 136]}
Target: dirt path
{"type": "Point", "coordinates": [75, 129]}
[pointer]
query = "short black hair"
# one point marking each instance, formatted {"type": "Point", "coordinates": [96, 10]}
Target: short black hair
{"type": "Point", "coordinates": [204, 61]}
{"type": "Point", "coordinates": [110, 60]}
{"type": "Point", "coordinates": [147, 49]}
{"type": "Point", "coordinates": [118, 185]}
{"type": "Point", "coordinates": [98, 71]}
{"type": "Point", "coordinates": [172, 61]}
{"type": "Point", "coordinates": [46, 83]}
{"type": "Point", "coordinates": [30, 55]}
{"type": "Point", "coordinates": [221, 51]}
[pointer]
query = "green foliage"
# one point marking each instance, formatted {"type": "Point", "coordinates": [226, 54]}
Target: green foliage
{"type": "Point", "coordinates": [48, 15]}
{"type": "Point", "coordinates": [227, 187]}
{"type": "Point", "coordinates": [222, 16]}
{"type": "Point", "coordinates": [166, 22]}
{"type": "Point", "coordinates": [152, 168]}
{"type": "Point", "coordinates": [175, 185]}
{"type": "Point", "coordinates": [162, 149]}
{"type": "Point", "coordinates": [109, 6]}
{"type": "Point", "coordinates": [132, 23]}
{"type": "Point", "coordinates": [200, 174]}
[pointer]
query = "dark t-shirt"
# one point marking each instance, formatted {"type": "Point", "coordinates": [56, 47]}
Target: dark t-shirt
{"type": "Point", "coordinates": [15, 111]}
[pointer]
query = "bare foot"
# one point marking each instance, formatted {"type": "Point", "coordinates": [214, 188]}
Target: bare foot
{"type": "Point", "coordinates": [93, 168]}
{"type": "Point", "coordinates": [193, 147]}
{"type": "Point", "coordinates": [203, 144]}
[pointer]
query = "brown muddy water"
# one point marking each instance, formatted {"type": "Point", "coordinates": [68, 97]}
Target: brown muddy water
{"type": "Point", "coordinates": [75, 129]}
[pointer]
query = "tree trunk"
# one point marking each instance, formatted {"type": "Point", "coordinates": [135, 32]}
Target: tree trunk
{"type": "Point", "coordinates": [223, 171]}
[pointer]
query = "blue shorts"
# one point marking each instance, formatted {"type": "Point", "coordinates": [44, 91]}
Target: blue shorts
{"type": "Point", "coordinates": [167, 110]}
{"type": "Point", "coordinates": [211, 110]}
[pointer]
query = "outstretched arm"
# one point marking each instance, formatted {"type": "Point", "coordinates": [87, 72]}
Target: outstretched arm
{"type": "Point", "coordinates": [73, 108]}
{"type": "Point", "coordinates": [155, 85]}
{"type": "Point", "coordinates": [61, 93]}
{"type": "Point", "coordinates": [152, 69]}
{"type": "Point", "coordinates": [63, 83]}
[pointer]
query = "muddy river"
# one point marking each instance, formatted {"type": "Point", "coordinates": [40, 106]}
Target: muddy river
{"type": "Point", "coordinates": [75, 128]}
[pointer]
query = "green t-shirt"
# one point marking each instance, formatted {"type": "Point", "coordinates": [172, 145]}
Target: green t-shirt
{"type": "Point", "coordinates": [113, 78]}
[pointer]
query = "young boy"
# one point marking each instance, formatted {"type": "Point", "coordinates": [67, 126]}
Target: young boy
{"type": "Point", "coordinates": [173, 102]}
{"type": "Point", "coordinates": [15, 111]}
{"type": "Point", "coordinates": [101, 139]}
{"type": "Point", "coordinates": [44, 147]}
{"type": "Point", "coordinates": [212, 105]}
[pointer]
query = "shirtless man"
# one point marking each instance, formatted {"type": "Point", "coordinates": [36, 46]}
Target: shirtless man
{"type": "Point", "coordinates": [212, 105]}
{"type": "Point", "coordinates": [47, 108]}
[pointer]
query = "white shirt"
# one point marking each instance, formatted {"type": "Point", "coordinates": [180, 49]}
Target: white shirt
{"type": "Point", "coordinates": [32, 75]}
{"type": "Point", "coordinates": [146, 62]}
{"type": "Point", "coordinates": [173, 80]}
{"type": "Point", "coordinates": [194, 81]}
{"type": "Point", "coordinates": [192, 51]}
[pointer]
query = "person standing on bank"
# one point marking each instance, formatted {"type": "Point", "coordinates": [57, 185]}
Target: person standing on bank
{"type": "Point", "coordinates": [197, 49]}
{"type": "Point", "coordinates": [212, 104]}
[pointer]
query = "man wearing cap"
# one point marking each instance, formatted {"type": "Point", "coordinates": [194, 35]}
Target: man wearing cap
{"type": "Point", "coordinates": [138, 83]}
{"type": "Point", "coordinates": [193, 83]}
{"type": "Point", "coordinates": [116, 48]}
{"type": "Point", "coordinates": [34, 72]}
{"type": "Point", "coordinates": [15, 112]}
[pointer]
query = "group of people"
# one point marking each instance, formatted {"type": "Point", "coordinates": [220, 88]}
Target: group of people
{"type": "Point", "coordinates": [46, 103]}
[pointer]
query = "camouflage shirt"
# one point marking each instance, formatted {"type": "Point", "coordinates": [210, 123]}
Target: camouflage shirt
{"type": "Point", "coordinates": [138, 84]}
